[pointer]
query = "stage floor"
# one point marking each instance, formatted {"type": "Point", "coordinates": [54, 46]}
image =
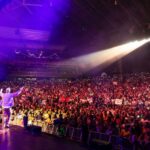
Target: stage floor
{"type": "Point", "coordinates": [17, 138]}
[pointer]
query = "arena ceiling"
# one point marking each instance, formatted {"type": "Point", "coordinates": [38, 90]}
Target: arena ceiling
{"type": "Point", "coordinates": [79, 26]}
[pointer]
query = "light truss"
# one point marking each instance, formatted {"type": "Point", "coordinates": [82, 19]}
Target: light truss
{"type": "Point", "coordinates": [27, 4]}
{"type": "Point", "coordinates": [34, 3]}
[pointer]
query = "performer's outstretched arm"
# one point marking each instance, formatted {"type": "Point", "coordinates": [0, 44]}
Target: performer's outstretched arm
{"type": "Point", "coordinates": [1, 92]}
{"type": "Point", "coordinates": [18, 92]}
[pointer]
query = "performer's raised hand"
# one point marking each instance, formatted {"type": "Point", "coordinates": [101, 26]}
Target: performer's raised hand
{"type": "Point", "coordinates": [21, 88]}
{"type": "Point", "coordinates": [1, 92]}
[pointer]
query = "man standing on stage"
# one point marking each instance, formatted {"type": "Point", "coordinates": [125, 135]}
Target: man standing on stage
{"type": "Point", "coordinates": [7, 103]}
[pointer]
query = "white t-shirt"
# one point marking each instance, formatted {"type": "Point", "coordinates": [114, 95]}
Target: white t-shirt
{"type": "Point", "coordinates": [8, 99]}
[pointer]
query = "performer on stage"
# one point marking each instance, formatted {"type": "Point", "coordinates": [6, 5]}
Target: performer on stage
{"type": "Point", "coordinates": [7, 103]}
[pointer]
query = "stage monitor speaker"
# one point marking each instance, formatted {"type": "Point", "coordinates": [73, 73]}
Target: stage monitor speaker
{"type": "Point", "coordinates": [35, 130]}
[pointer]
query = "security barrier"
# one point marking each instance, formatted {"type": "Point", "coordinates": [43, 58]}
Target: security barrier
{"type": "Point", "coordinates": [71, 133]}
{"type": "Point", "coordinates": [77, 134]}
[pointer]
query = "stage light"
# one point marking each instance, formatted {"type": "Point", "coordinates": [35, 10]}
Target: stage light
{"type": "Point", "coordinates": [17, 51]}
{"type": "Point", "coordinates": [106, 57]}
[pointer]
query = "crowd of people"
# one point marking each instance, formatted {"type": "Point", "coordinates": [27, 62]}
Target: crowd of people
{"type": "Point", "coordinates": [115, 105]}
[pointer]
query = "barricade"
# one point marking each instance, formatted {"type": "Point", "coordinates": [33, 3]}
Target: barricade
{"type": "Point", "coordinates": [44, 128]}
{"type": "Point", "coordinates": [99, 141]}
{"type": "Point", "coordinates": [98, 136]}
{"type": "Point", "coordinates": [126, 145]}
{"type": "Point", "coordinates": [93, 135]}
{"type": "Point", "coordinates": [69, 132]}
{"type": "Point", "coordinates": [77, 134]}
{"type": "Point", "coordinates": [116, 142]}
{"type": "Point", "coordinates": [50, 129]}
{"type": "Point", "coordinates": [55, 130]}
{"type": "Point", "coordinates": [62, 131]}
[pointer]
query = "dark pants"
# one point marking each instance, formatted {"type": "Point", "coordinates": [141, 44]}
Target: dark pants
{"type": "Point", "coordinates": [6, 116]}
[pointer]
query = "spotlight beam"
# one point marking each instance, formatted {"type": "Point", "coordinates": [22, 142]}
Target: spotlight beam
{"type": "Point", "coordinates": [106, 57]}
